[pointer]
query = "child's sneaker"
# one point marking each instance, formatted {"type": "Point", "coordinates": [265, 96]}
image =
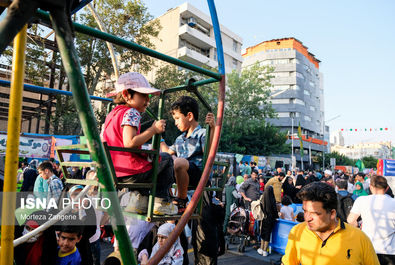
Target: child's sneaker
{"type": "Point", "coordinates": [181, 204]}
{"type": "Point", "coordinates": [162, 207]}
{"type": "Point", "coordinates": [137, 203]}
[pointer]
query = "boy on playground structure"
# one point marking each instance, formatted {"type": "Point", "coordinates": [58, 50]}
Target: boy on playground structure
{"type": "Point", "coordinates": [188, 147]}
{"type": "Point", "coordinates": [122, 128]}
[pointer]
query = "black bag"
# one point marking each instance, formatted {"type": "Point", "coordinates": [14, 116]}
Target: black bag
{"type": "Point", "coordinates": [345, 204]}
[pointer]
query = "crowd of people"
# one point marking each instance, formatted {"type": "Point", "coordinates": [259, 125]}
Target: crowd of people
{"type": "Point", "coordinates": [329, 199]}
{"type": "Point", "coordinates": [361, 200]}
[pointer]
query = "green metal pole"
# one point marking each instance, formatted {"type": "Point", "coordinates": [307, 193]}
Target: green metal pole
{"type": "Point", "coordinates": [134, 46]}
{"type": "Point", "coordinates": [72, 67]}
{"type": "Point", "coordinates": [183, 87]}
{"type": "Point", "coordinates": [156, 146]}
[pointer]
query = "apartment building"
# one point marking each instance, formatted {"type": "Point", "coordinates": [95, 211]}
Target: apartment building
{"type": "Point", "coordinates": [187, 34]}
{"type": "Point", "coordinates": [378, 150]}
{"type": "Point", "coordinates": [297, 92]}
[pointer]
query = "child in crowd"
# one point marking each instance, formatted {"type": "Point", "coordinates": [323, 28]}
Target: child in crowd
{"type": "Point", "coordinates": [68, 237]}
{"type": "Point", "coordinates": [188, 146]}
{"type": "Point", "coordinates": [286, 211]}
{"type": "Point", "coordinates": [174, 256]}
{"type": "Point", "coordinates": [300, 217]}
{"type": "Point", "coordinates": [122, 128]}
{"type": "Point", "coordinates": [261, 184]}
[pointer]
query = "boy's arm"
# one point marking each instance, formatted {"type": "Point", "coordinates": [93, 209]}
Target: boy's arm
{"type": "Point", "coordinates": [210, 120]}
{"type": "Point", "coordinates": [165, 148]}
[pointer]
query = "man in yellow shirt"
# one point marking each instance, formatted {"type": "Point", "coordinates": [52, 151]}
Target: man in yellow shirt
{"type": "Point", "coordinates": [323, 238]}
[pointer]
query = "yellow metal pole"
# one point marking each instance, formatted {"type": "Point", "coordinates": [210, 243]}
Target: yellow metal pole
{"type": "Point", "coordinates": [12, 149]}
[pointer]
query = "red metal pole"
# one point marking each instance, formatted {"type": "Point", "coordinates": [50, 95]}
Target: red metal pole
{"type": "Point", "coordinates": [202, 183]}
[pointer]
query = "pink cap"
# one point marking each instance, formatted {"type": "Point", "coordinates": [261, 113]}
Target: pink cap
{"type": "Point", "coordinates": [134, 81]}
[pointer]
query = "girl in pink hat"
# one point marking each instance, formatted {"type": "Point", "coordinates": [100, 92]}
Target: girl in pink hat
{"type": "Point", "coordinates": [122, 128]}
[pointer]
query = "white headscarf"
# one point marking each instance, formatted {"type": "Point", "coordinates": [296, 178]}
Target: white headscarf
{"type": "Point", "coordinates": [175, 254]}
{"type": "Point", "coordinates": [166, 229]}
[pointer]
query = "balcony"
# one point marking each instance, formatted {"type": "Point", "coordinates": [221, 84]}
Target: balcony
{"type": "Point", "coordinates": [195, 58]}
{"type": "Point", "coordinates": [196, 37]}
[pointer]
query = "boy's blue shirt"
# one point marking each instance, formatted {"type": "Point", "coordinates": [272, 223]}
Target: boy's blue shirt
{"type": "Point", "coordinates": [191, 148]}
{"type": "Point", "coordinates": [71, 258]}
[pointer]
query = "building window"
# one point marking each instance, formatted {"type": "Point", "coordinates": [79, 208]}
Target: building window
{"type": "Point", "coordinates": [300, 75]}
{"type": "Point", "coordinates": [307, 118]}
{"type": "Point", "coordinates": [281, 74]}
{"type": "Point", "coordinates": [281, 87]}
{"type": "Point", "coordinates": [265, 62]}
{"type": "Point", "coordinates": [280, 61]}
{"type": "Point", "coordinates": [298, 101]}
{"type": "Point", "coordinates": [235, 45]}
{"type": "Point", "coordinates": [283, 114]}
{"type": "Point", "coordinates": [295, 87]}
{"type": "Point", "coordinates": [234, 65]}
{"type": "Point", "coordinates": [306, 92]}
{"type": "Point", "coordinates": [312, 108]}
{"type": "Point", "coordinates": [312, 84]}
{"type": "Point", "coordinates": [280, 101]}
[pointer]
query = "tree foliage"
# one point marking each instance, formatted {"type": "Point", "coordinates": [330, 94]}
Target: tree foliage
{"type": "Point", "coordinates": [369, 161]}
{"type": "Point", "coordinates": [340, 159]}
{"type": "Point", "coordinates": [248, 95]}
{"type": "Point", "coordinates": [247, 106]}
{"type": "Point", "coordinates": [133, 23]}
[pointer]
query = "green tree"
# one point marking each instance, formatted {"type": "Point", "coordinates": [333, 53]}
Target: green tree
{"type": "Point", "coordinates": [169, 76]}
{"type": "Point", "coordinates": [134, 23]}
{"type": "Point", "coordinates": [247, 108]}
{"type": "Point", "coordinates": [369, 161]}
{"type": "Point", "coordinates": [341, 159]}
{"type": "Point", "coordinates": [247, 96]}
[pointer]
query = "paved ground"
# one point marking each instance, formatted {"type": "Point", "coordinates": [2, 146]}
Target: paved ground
{"type": "Point", "coordinates": [232, 256]}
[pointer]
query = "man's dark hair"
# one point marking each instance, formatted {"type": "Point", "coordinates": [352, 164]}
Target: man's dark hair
{"type": "Point", "coordinates": [254, 171]}
{"type": "Point", "coordinates": [45, 165]}
{"type": "Point", "coordinates": [72, 229]}
{"type": "Point", "coordinates": [379, 182]}
{"type": "Point", "coordinates": [361, 174]}
{"type": "Point", "coordinates": [342, 184]}
{"type": "Point", "coordinates": [186, 104]}
{"type": "Point", "coordinates": [281, 174]}
{"type": "Point", "coordinates": [319, 192]}
{"type": "Point", "coordinates": [345, 177]}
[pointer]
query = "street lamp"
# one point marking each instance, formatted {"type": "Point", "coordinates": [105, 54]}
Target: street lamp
{"type": "Point", "coordinates": [292, 114]}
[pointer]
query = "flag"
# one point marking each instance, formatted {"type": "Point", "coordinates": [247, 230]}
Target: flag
{"type": "Point", "coordinates": [300, 139]}
{"type": "Point", "coordinates": [359, 164]}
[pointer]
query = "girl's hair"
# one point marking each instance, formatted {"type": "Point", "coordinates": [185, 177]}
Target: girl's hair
{"type": "Point", "coordinates": [119, 98]}
{"type": "Point", "coordinates": [300, 217]}
{"type": "Point", "coordinates": [286, 200]}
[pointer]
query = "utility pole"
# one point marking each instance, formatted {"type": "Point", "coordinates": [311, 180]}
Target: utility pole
{"type": "Point", "coordinates": [323, 139]}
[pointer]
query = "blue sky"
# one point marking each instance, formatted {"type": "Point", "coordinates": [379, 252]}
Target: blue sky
{"type": "Point", "coordinates": [355, 40]}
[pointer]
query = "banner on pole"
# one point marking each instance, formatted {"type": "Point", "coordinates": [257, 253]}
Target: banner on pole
{"type": "Point", "coordinates": [31, 147]}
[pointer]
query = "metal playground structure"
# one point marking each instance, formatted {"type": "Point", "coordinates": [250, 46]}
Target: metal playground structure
{"type": "Point", "coordinates": [58, 15]}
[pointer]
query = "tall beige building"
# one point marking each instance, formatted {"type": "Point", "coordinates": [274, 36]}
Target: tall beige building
{"type": "Point", "coordinates": [187, 34]}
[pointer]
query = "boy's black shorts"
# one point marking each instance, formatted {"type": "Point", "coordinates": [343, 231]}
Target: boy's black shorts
{"type": "Point", "coordinates": [194, 173]}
